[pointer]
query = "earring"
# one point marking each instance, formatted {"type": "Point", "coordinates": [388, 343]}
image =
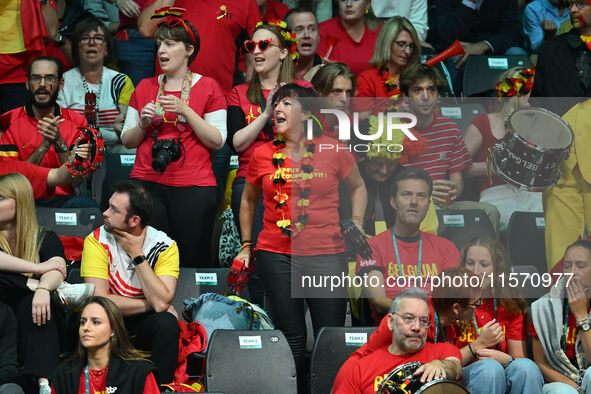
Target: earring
{"type": "Point", "coordinates": [366, 12]}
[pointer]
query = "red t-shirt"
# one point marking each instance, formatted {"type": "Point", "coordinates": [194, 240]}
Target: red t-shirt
{"type": "Point", "coordinates": [482, 123]}
{"type": "Point", "coordinates": [99, 386]}
{"type": "Point", "coordinates": [321, 235]}
{"type": "Point", "coordinates": [22, 138]}
{"type": "Point", "coordinates": [366, 374]}
{"type": "Point", "coordinates": [194, 166]}
{"type": "Point", "coordinates": [35, 174]}
{"type": "Point", "coordinates": [126, 22]}
{"type": "Point", "coordinates": [571, 335]}
{"type": "Point", "coordinates": [218, 22]}
{"type": "Point", "coordinates": [355, 54]}
{"type": "Point", "coordinates": [446, 151]}
{"type": "Point", "coordinates": [252, 111]}
{"type": "Point", "coordinates": [370, 84]}
{"type": "Point", "coordinates": [275, 11]}
{"type": "Point", "coordinates": [513, 325]}
{"type": "Point", "coordinates": [438, 254]}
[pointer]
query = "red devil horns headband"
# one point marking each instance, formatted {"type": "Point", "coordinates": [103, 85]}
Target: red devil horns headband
{"type": "Point", "coordinates": [173, 17]}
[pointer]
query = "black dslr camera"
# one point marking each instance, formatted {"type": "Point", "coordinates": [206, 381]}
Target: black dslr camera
{"type": "Point", "coordinates": [165, 152]}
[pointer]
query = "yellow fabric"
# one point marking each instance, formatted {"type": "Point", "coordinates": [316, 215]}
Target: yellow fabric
{"type": "Point", "coordinates": [95, 261]}
{"type": "Point", "coordinates": [11, 29]}
{"type": "Point", "coordinates": [11, 153]}
{"type": "Point", "coordinates": [228, 193]}
{"type": "Point", "coordinates": [126, 92]}
{"type": "Point", "coordinates": [567, 206]}
{"type": "Point", "coordinates": [430, 223]}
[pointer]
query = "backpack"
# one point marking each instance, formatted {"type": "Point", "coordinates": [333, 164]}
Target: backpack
{"type": "Point", "coordinates": [214, 311]}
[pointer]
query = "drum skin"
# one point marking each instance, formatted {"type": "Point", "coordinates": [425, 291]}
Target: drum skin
{"type": "Point", "coordinates": [529, 155]}
{"type": "Point", "coordinates": [401, 381]}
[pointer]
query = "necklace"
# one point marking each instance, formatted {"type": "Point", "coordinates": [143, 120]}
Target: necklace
{"type": "Point", "coordinates": [91, 110]}
{"type": "Point", "coordinates": [185, 94]}
{"type": "Point", "coordinates": [389, 82]}
{"type": "Point", "coordinates": [419, 258]}
{"type": "Point", "coordinates": [279, 179]}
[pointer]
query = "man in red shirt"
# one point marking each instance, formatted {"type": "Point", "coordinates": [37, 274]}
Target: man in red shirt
{"type": "Point", "coordinates": [404, 256]}
{"type": "Point", "coordinates": [409, 321]}
{"type": "Point", "coordinates": [42, 132]}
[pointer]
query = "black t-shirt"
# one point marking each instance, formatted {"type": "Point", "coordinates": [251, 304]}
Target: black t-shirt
{"type": "Point", "coordinates": [51, 246]}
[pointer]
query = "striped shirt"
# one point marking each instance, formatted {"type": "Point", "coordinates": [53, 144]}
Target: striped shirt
{"type": "Point", "coordinates": [103, 258]}
{"type": "Point", "coordinates": [446, 152]}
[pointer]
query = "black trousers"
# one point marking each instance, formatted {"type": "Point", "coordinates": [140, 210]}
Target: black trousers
{"type": "Point", "coordinates": [157, 333]}
{"type": "Point", "coordinates": [288, 314]}
{"type": "Point", "coordinates": [38, 346]}
{"type": "Point", "coordinates": [186, 214]}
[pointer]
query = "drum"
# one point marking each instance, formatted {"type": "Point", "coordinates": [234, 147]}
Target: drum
{"type": "Point", "coordinates": [97, 152]}
{"type": "Point", "coordinates": [530, 154]}
{"type": "Point", "coordinates": [402, 381]}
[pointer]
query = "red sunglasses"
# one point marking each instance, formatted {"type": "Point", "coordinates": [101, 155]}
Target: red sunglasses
{"type": "Point", "coordinates": [250, 46]}
{"type": "Point", "coordinates": [175, 22]}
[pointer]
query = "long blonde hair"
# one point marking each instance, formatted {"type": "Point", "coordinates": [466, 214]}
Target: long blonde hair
{"type": "Point", "coordinates": [28, 237]}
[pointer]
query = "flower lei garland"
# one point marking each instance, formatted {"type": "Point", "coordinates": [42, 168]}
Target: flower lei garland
{"type": "Point", "coordinates": [392, 89]}
{"type": "Point", "coordinates": [411, 149]}
{"type": "Point", "coordinates": [288, 36]}
{"type": "Point", "coordinates": [586, 40]}
{"type": "Point", "coordinates": [279, 180]}
{"type": "Point", "coordinates": [519, 85]}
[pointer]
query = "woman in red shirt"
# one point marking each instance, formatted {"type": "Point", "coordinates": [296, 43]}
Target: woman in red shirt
{"type": "Point", "coordinates": [493, 346]}
{"type": "Point", "coordinates": [397, 47]}
{"type": "Point", "coordinates": [299, 182]}
{"type": "Point", "coordinates": [249, 109]}
{"type": "Point", "coordinates": [351, 36]}
{"type": "Point", "coordinates": [104, 360]}
{"type": "Point", "coordinates": [513, 93]}
{"type": "Point", "coordinates": [175, 120]}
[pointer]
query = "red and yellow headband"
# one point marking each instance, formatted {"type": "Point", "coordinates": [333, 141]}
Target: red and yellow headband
{"type": "Point", "coordinates": [173, 17]}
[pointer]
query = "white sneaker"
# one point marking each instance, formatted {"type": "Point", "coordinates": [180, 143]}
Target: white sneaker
{"type": "Point", "coordinates": [44, 387]}
{"type": "Point", "coordinates": [73, 295]}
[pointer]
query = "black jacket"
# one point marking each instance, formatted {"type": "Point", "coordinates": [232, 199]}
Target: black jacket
{"type": "Point", "coordinates": [497, 21]}
{"type": "Point", "coordinates": [127, 377]}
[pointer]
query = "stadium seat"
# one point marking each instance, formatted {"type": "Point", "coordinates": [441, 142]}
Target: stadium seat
{"type": "Point", "coordinates": [115, 167]}
{"type": "Point", "coordinates": [482, 72]}
{"type": "Point", "coordinates": [333, 347]}
{"type": "Point", "coordinates": [250, 362]}
{"type": "Point", "coordinates": [462, 114]}
{"type": "Point", "coordinates": [462, 226]}
{"type": "Point", "coordinates": [70, 222]}
{"type": "Point", "coordinates": [525, 240]}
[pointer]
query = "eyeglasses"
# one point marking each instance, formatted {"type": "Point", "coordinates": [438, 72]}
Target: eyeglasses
{"type": "Point", "coordinates": [579, 3]}
{"type": "Point", "coordinates": [250, 46]}
{"type": "Point", "coordinates": [476, 303]}
{"type": "Point", "coordinates": [402, 45]}
{"type": "Point", "coordinates": [98, 39]}
{"type": "Point", "coordinates": [36, 78]}
{"type": "Point", "coordinates": [410, 319]}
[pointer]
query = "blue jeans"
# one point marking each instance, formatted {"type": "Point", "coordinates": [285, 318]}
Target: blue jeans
{"type": "Point", "coordinates": [135, 56]}
{"type": "Point", "coordinates": [563, 388]}
{"type": "Point", "coordinates": [488, 376]}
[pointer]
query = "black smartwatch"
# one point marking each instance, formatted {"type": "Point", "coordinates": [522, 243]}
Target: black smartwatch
{"type": "Point", "coordinates": [139, 259]}
{"type": "Point", "coordinates": [60, 148]}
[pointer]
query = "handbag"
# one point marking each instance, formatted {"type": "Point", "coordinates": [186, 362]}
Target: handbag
{"type": "Point", "coordinates": [229, 239]}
